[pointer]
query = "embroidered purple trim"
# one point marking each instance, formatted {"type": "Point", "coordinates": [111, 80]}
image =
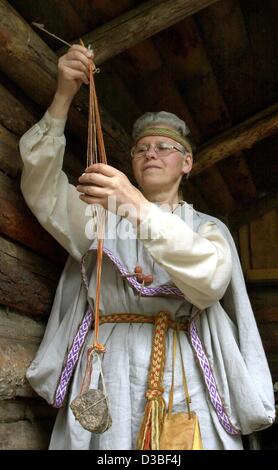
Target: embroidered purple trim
{"type": "Point", "coordinates": [165, 289]}
{"type": "Point", "coordinates": [72, 359]}
{"type": "Point", "coordinates": [210, 381]}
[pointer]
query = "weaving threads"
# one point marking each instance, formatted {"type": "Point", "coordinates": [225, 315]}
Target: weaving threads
{"type": "Point", "coordinates": [90, 407]}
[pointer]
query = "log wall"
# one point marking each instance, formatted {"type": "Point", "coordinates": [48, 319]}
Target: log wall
{"type": "Point", "coordinates": [31, 262]}
{"type": "Point", "coordinates": [258, 243]}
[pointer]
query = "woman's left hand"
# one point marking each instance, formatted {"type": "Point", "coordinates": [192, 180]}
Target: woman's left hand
{"type": "Point", "coordinates": [102, 182]}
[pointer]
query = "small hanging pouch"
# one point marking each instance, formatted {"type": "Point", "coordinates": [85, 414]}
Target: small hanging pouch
{"type": "Point", "coordinates": [90, 408]}
{"type": "Point", "coordinates": [180, 430]}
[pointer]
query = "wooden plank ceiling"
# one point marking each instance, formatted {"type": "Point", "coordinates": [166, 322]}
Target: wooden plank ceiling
{"type": "Point", "coordinates": [214, 63]}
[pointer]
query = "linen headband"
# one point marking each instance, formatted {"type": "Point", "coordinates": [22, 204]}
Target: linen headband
{"type": "Point", "coordinates": [166, 132]}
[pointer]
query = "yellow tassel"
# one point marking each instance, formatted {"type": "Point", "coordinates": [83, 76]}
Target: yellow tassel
{"type": "Point", "coordinates": [150, 429]}
{"type": "Point", "coordinates": [149, 434]}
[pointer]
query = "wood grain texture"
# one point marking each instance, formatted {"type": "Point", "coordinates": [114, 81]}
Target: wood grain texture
{"type": "Point", "coordinates": [29, 62]}
{"type": "Point", "coordinates": [27, 281]}
{"type": "Point", "coordinates": [240, 137]}
{"type": "Point", "coordinates": [264, 240]}
{"type": "Point", "coordinates": [138, 24]}
{"type": "Point", "coordinates": [19, 224]}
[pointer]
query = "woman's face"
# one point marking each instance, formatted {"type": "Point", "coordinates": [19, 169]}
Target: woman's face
{"type": "Point", "coordinates": [153, 172]}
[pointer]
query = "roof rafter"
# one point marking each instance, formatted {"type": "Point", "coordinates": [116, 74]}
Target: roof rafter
{"type": "Point", "coordinates": [138, 24]}
{"type": "Point", "coordinates": [32, 65]}
{"type": "Point", "coordinates": [240, 137]}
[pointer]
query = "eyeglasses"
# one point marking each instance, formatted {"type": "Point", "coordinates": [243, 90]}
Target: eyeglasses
{"type": "Point", "coordinates": [162, 149]}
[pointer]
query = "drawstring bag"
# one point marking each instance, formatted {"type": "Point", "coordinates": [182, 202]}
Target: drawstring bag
{"type": "Point", "coordinates": [180, 431]}
{"type": "Point", "coordinates": [90, 408]}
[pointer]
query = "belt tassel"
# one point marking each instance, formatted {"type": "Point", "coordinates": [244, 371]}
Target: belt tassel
{"type": "Point", "coordinates": [149, 433]}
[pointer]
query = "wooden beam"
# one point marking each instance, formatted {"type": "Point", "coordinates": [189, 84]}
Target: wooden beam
{"type": "Point", "coordinates": [19, 224]}
{"type": "Point", "coordinates": [27, 281]}
{"type": "Point", "coordinates": [185, 55]}
{"type": "Point", "coordinates": [32, 65]}
{"type": "Point", "coordinates": [138, 24]}
{"type": "Point", "coordinates": [10, 161]}
{"type": "Point", "coordinates": [13, 115]}
{"type": "Point", "coordinates": [240, 137]}
{"type": "Point", "coordinates": [16, 118]}
{"type": "Point", "coordinates": [268, 275]}
{"type": "Point", "coordinates": [264, 240]}
{"type": "Point", "coordinates": [247, 213]}
{"type": "Point", "coordinates": [227, 43]}
{"type": "Point", "coordinates": [18, 327]}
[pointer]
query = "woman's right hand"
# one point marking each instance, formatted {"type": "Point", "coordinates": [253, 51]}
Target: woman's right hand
{"type": "Point", "coordinates": [73, 70]}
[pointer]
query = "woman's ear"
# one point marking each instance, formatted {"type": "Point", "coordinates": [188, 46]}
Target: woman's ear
{"type": "Point", "coordinates": [187, 163]}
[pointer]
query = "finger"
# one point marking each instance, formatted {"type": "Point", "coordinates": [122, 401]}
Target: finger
{"type": "Point", "coordinates": [94, 191]}
{"type": "Point", "coordinates": [76, 74]}
{"type": "Point", "coordinates": [77, 55]}
{"type": "Point", "coordinates": [94, 178]}
{"type": "Point", "coordinates": [103, 168]}
{"type": "Point", "coordinates": [84, 50]}
{"type": "Point", "coordinates": [92, 200]}
{"type": "Point", "coordinates": [76, 65]}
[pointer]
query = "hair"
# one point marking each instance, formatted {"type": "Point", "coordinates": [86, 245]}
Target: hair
{"type": "Point", "coordinates": [163, 118]}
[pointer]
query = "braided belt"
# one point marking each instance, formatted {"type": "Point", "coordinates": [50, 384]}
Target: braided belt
{"type": "Point", "coordinates": [136, 318]}
{"type": "Point", "coordinates": [162, 322]}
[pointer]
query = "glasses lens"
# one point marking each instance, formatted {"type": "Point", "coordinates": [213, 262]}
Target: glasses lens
{"type": "Point", "coordinates": [162, 149]}
{"type": "Point", "coordinates": [139, 150]}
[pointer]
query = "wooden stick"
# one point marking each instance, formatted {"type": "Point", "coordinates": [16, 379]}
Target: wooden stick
{"type": "Point", "coordinates": [42, 28]}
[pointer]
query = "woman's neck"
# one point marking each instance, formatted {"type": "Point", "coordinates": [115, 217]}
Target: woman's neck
{"type": "Point", "coordinates": [163, 197]}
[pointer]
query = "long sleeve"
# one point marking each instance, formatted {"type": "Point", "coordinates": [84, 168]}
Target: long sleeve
{"type": "Point", "coordinates": [46, 189]}
{"type": "Point", "coordinates": [200, 264]}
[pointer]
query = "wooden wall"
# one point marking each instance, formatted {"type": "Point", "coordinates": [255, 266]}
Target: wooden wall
{"type": "Point", "coordinates": [258, 244]}
{"type": "Point", "coordinates": [31, 263]}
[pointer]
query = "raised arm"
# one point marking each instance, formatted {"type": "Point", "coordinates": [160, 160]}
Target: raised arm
{"type": "Point", "coordinates": [45, 187]}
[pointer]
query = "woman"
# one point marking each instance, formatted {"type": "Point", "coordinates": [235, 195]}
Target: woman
{"type": "Point", "coordinates": [193, 273]}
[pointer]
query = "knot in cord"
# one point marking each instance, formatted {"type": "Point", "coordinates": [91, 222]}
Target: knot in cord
{"type": "Point", "coordinates": [153, 394]}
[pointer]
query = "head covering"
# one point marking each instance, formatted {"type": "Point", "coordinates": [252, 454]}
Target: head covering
{"type": "Point", "coordinates": [166, 132]}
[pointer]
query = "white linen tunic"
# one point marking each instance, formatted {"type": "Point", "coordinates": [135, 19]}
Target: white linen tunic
{"type": "Point", "coordinates": [197, 259]}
